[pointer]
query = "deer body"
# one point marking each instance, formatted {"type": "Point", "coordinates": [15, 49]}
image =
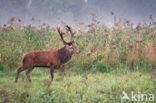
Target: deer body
{"type": "Point", "coordinates": [52, 59]}
{"type": "Point", "coordinates": [41, 58]}
{"type": "Point", "coordinates": [46, 58]}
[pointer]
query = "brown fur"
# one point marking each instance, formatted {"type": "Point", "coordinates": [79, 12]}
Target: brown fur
{"type": "Point", "coordinates": [52, 59]}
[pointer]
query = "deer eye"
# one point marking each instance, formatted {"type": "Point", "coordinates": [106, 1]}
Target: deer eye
{"type": "Point", "coordinates": [69, 44]}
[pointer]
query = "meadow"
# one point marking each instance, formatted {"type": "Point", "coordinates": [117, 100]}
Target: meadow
{"type": "Point", "coordinates": [112, 60]}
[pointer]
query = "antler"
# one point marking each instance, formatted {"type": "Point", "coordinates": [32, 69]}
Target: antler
{"type": "Point", "coordinates": [61, 35]}
{"type": "Point", "coordinates": [68, 28]}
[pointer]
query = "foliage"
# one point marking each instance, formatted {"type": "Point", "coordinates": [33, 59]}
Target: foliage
{"type": "Point", "coordinates": [121, 46]}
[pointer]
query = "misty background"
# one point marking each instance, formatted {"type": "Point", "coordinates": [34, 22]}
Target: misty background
{"type": "Point", "coordinates": [74, 11]}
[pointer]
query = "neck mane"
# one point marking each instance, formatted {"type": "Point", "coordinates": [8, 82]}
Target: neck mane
{"type": "Point", "coordinates": [64, 55]}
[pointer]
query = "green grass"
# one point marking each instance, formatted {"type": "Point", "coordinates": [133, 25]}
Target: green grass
{"type": "Point", "coordinates": [112, 60]}
{"type": "Point", "coordinates": [83, 88]}
{"type": "Point", "coordinates": [103, 49]}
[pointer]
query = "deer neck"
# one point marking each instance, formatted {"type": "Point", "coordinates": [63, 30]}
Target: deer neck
{"type": "Point", "coordinates": [64, 55]}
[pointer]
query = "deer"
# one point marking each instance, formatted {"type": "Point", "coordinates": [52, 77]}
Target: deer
{"type": "Point", "coordinates": [52, 59]}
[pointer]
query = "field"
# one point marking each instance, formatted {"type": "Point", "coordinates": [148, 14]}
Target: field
{"type": "Point", "coordinates": [86, 88]}
{"type": "Point", "coordinates": [112, 60]}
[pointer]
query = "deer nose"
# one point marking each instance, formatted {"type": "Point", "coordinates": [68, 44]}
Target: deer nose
{"type": "Point", "coordinates": [77, 51]}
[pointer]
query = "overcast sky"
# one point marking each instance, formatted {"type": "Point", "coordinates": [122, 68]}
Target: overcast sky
{"type": "Point", "coordinates": [54, 11]}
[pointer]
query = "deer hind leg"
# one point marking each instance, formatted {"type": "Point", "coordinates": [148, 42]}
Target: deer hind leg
{"type": "Point", "coordinates": [28, 73]}
{"type": "Point", "coordinates": [19, 71]}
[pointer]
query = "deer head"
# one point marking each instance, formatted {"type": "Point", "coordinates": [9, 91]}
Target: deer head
{"type": "Point", "coordinates": [69, 45]}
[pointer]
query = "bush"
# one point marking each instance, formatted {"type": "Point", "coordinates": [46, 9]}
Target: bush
{"type": "Point", "coordinates": [101, 47]}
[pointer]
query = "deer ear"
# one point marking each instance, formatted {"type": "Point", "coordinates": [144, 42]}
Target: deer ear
{"type": "Point", "coordinates": [72, 41]}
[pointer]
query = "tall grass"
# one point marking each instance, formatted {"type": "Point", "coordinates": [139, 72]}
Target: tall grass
{"type": "Point", "coordinates": [103, 49]}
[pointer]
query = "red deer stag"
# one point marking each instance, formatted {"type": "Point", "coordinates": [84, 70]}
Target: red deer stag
{"type": "Point", "coordinates": [51, 58]}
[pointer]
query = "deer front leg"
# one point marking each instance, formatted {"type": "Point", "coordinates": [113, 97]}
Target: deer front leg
{"type": "Point", "coordinates": [51, 75]}
{"type": "Point", "coordinates": [62, 71]}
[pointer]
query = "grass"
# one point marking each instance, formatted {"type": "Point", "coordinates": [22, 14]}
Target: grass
{"type": "Point", "coordinates": [112, 60]}
{"type": "Point", "coordinates": [104, 48]}
{"type": "Point", "coordinates": [83, 88]}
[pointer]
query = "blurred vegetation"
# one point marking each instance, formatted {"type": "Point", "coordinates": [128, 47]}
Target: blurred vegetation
{"type": "Point", "coordinates": [103, 49]}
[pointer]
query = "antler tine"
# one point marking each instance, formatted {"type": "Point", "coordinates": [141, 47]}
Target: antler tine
{"type": "Point", "coordinates": [61, 35]}
{"type": "Point", "coordinates": [68, 28]}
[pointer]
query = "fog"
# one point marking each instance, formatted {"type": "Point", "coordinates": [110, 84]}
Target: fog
{"type": "Point", "coordinates": [54, 12]}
